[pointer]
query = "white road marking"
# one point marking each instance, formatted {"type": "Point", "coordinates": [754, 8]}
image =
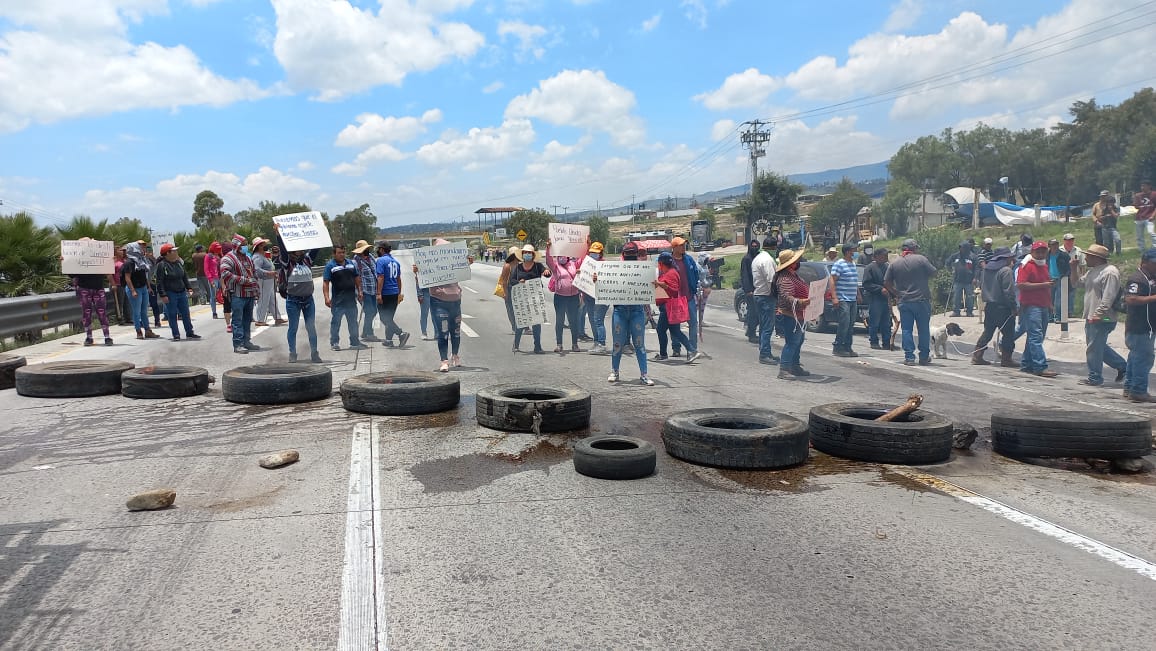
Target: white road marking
{"type": "Point", "coordinates": [469, 289]}
{"type": "Point", "coordinates": [469, 332]}
{"type": "Point", "coordinates": [1109, 553]}
{"type": "Point", "coordinates": [362, 595]}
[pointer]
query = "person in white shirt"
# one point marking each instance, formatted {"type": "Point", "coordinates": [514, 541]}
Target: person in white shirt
{"type": "Point", "coordinates": [763, 272]}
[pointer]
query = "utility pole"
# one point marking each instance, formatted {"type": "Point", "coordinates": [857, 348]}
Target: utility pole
{"type": "Point", "coordinates": [753, 139]}
{"type": "Point", "coordinates": [555, 207]}
{"type": "Point", "coordinates": [566, 214]}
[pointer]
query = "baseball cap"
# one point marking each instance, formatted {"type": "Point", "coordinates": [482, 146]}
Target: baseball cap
{"type": "Point", "coordinates": [881, 251]}
{"type": "Point", "coordinates": [832, 250]}
{"type": "Point", "coordinates": [666, 258]}
{"type": "Point", "coordinates": [1039, 245]}
{"type": "Point", "coordinates": [165, 248]}
{"type": "Point", "coordinates": [910, 245]}
{"type": "Point", "coordinates": [1104, 193]}
{"type": "Point", "coordinates": [596, 247]}
{"type": "Point", "coordinates": [1053, 241]}
{"type": "Point", "coordinates": [630, 248]}
{"type": "Point", "coordinates": [1069, 236]}
{"type": "Point", "coordinates": [987, 240]}
{"type": "Point", "coordinates": [1149, 255]}
{"type": "Point", "coordinates": [678, 241]}
{"type": "Point", "coordinates": [849, 247]}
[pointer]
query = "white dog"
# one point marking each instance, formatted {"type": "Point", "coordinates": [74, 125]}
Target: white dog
{"type": "Point", "coordinates": [939, 337]}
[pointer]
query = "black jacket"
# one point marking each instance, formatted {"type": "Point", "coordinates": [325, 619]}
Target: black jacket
{"type": "Point", "coordinates": [171, 277]}
{"type": "Point", "coordinates": [873, 276]}
{"type": "Point", "coordinates": [746, 278]}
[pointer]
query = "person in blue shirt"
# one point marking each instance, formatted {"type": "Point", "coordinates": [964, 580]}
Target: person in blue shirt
{"type": "Point", "coordinates": [389, 294]}
{"type": "Point", "coordinates": [341, 276]}
{"type": "Point", "coordinates": [845, 275]}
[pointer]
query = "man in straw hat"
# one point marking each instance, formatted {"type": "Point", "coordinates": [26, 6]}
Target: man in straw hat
{"type": "Point", "coordinates": [1101, 285]}
{"type": "Point", "coordinates": [793, 298]}
{"type": "Point", "coordinates": [367, 277]}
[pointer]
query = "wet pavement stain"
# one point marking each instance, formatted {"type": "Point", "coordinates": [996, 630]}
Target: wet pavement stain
{"type": "Point", "coordinates": [241, 504]}
{"type": "Point", "coordinates": [463, 413]}
{"type": "Point", "coordinates": [473, 471]}
{"type": "Point", "coordinates": [1098, 469]}
{"type": "Point", "coordinates": [795, 479]}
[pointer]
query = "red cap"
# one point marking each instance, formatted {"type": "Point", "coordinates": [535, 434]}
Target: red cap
{"type": "Point", "coordinates": [1039, 244]}
{"type": "Point", "coordinates": [165, 248]}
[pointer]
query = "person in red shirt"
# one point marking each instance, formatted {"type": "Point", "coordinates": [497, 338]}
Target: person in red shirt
{"type": "Point", "coordinates": [1035, 286]}
{"type": "Point", "coordinates": [1145, 203]}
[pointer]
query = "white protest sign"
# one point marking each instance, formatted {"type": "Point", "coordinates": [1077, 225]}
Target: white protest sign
{"type": "Point", "coordinates": [584, 282]}
{"type": "Point", "coordinates": [442, 264]}
{"type": "Point", "coordinates": [500, 233]}
{"type": "Point", "coordinates": [529, 301]}
{"type": "Point", "coordinates": [160, 238]}
{"type": "Point", "coordinates": [815, 309]}
{"type": "Point", "coordinates": [625, 282]}
{"type": "Point", "coordinates": [568, 239]}
{"type": "Point", "coordinates": [86, 257]}
{"type": "Point", "coordinates": [303, 231]}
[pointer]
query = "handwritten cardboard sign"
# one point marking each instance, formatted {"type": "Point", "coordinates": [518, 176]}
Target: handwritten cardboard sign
{"type": "Point", "coordinates": [585, 280]}
{"type": "Point", "coordinates": [86, 257]}
{"type": "Point", "coordinates": [815, 309]}
{"type": "Point", "coordinates": [303, 231]}
{"type": "Point", "coordinates": [529, 301]}
{"type": "Point", "coordinates": [160, 238]}
{"type": "Point", "coordinates": [442, 264]}
{"type": "Point", "coordinates": [625, 282]}
{"type": "Point", "coordinates": [568, 239]}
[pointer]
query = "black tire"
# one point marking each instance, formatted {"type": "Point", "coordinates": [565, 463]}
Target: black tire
{"type": "Point", "coordinates": [76, 379]}
{"type": "Point", "coordinates": [1104, 435]}
{"type": "Point", "coordinates": [736, 438]}
{"type": "Point", "coordinates": [614, 457]}
{"type": "Point", "coordinates": [742, 306]}
{"type": "Point", "coordinates": [401, 393]}
{"type": "Point", "coordinates": [277, 384]}
{"type": "Point", "coordinates": [512, 407]}
{"type": "Point", "coordinates": [8, 366]}
{"type": "Point", "coordinates": [848, 430]}
{"type": "Point", "coordinates": [164, 382]}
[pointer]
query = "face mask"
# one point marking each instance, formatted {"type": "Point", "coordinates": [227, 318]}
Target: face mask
{"type": "Point", "coordinates": [1040, 262]}
{"type": "Point", "coordinates": [596, 256]}
{"type": "Point", "coordinates": [528, 257]}
{"type": "Point", "coordinates": [563, 259]}
{"type": "Point", "coordinates": [245, 249]}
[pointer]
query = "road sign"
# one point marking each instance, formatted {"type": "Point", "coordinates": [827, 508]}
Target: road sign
{"type": "Point", "coordinates": [486, 238]}
{"type": "Point", "coordinates": [522, 235]}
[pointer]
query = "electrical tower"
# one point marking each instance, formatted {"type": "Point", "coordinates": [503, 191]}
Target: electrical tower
{"type": "Point", "coordinates": [754, 139]}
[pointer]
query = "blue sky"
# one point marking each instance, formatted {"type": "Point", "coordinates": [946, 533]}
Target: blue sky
{"type": "Point", "coordinates": [429, 109]}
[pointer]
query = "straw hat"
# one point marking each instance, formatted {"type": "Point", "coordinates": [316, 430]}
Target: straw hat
{"type": "Point", "coordinates": [361, 247]}
{"type": "Point", "coordinates": [529, 248]}
{"type": "Point", "coordinates": [787, 258]}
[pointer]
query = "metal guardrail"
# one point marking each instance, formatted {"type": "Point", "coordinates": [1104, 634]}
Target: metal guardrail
{"type": "Point", "coordinates": [33, 314]}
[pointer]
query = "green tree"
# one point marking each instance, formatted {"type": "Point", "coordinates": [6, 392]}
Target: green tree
{"type": "Point", "coordinates": [898, 206]}
{"type": "Point", "coordinates": [83, 226]}
{"type": "Point", "coordinates": [353, 225]}
{"type": "Point", "coordinates": [773, 200]}
{"type": "Point", "coordinates": [208, 209]}
{"type": "Point", "coordinates": [125, 230]}
{"type": "Point", "coordinates": [536, 223]}
{"type": "Point", "coordinates": [710, 216]}
{"type": "Point", "coordinates": [599, 229]}
{"type": "Point", "coordinates": [29, 257]}
{"type": "Point", "coordinates": [259, 220]}
{"type": "Point", "coordinates": [839, 209]}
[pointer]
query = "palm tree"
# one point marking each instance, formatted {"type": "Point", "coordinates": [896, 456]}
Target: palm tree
{"type": "Point", "coordinates": [83, 226]}
{"type": "Point", "coordinates": [29, 257]}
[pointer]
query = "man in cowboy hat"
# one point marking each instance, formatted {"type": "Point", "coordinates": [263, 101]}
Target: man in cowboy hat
{"type": "Point", "coordinates": [792, 297]}
{"type": "Point", "coordinates": [907, 279]}
{"type": "Point", "coordinates": [367, 275]}
{"type": "Point", "coordinates": [1101, 284]}
{"type": "Point", "coordinates": [998, 288]}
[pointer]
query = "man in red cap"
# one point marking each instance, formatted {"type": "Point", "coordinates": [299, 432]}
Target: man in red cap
{"type": "Point", "coordinates": [1035, 285]}
{"type": "Point", "coordinates": [175, 289]}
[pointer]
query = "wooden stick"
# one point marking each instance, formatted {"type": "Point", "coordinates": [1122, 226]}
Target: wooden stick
{"type": "Point", "coordinates": [911, 405]}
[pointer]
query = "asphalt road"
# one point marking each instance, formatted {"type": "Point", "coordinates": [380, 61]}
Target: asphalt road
{"type": "Point", "coordinates": [432, 532]}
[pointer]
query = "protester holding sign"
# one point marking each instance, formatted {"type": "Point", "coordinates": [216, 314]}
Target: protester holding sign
{"type": "Point", "coordinates": [563, 271]}
{"type": "Point", "coordinates": [90, 288]}
{"type": "Point", "coordinates": [629, 323]}
{"type": "Point", "coordinates": [504, 282]}
{"type": "Point", "coordinates": [596, 311]}
{"type": "Point", "coordinates": [445, 303]}
{"type": "Point", "coordinates": [528, 270]}
{"type": "Point", "coordinates": [295, 284]}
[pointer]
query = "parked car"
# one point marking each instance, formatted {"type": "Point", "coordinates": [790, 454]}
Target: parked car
{"type": "Point", "coordinates": [810, 272]}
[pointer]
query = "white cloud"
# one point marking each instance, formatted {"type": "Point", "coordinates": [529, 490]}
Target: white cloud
{"type": "Point", "coordinates": [651, 23]}
{"type": "Point", "coordinates": [305, 166]}
{"type": "Point", "coordinates": [339, 49]}
{"type": "Point", "coordinates": [479, 145]}
{"type": "Point", "coordinates": [493, 87]}
{"type": "Point", "coordinates": [555, 150]}
{"type": "Point", "coordinates": [375, 154]}
{"type": "Point", "coordinates": [39, 66]}
{"type": "Point", "coordinates": [904, 15]}
{"type": "Point", "coordinates": [527, 36]}
{"type": "Point", "coordinates": [797, 147]}
{"type": "Point", "coordinates": [696, 10]}
{"type": "Point", "coordinates": [586, 99]}
{"type": "Point", "coordinates": [740, 90]}
{"type": "Point", "coordinates": [722, 129]}
{"type": "Point", "coordinates": [372, 128]}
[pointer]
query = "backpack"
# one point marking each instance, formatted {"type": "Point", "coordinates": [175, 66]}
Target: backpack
{"type": "Point", "coordinates": [282, 281]}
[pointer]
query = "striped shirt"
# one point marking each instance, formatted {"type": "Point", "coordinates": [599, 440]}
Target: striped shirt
{"type": "Point", "coordinates": [846, 280]}
{"type": "Point", "coordinates": [791, 288]}
{"type": "Point", "coordinates": [239, 276]}
{"type": "Point", "coordinates": [367, 271]}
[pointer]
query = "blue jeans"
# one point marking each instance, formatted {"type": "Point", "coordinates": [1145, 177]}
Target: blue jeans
{"type": "Point", "coordinates": [879, 321]}
{"type": "Point", "coordinates": [597, 321]}
{"type": "Point", "coordinates": [962, 295]}
{"type": "Point", "coordinates": [447, 323]}
{"type": "Point", "coordinates": [629, 322]}
{"type": "Point", "coordinates": [793, 335]}
{"type": "Point", "coordinates": [423, 301]}
{"type": "Point", "coordinates": [916, 314]}
{"type": "Point", "coordinates": [346, 308]}
{"type": "Point", "coordinates": [566, 311]}
{"type": "Point", "coordinates": [673, 330]}
{"type": "Point", "coordinates": [369, 307]}
{"type": "Point", "coordinates": [1099, 352]}
{"type": "Point", "coordinates": [1033, 320]}
{"type": "Point", "coordinates": [1141, 227]}
{"type": "Point", "coordinates": [583, 314]}
{"type": "Point", "coordinates": [536, 329]}
{"type": "Point", "coordinates": [1113, 241]}
{"type": "Point", "coordinates": [139, 306]}
{"type": "Point", "coordinates": [1056, 300]}
{"type": "Point", "coordinates": [296, 307]}
{"type": "Point", "coordinates": [1140, 358]}
{"type": "Point", "coordinates": [692, 325]}
{"type": "Point", "coordinates": [242, 320]}
{"type": "Point", "coordinates": [766, 312]}
{"type": "Point", "coordinates": [178, 306]}
{"type": "Point", "coordinates": [848, 310]}
{"type": "Point", "coordinates": [214, 287]}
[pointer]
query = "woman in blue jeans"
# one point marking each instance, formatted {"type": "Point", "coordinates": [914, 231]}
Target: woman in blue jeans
{"type": "Point", "coordinates": [445, 303]}
{"type": "Point", "coordinates": [136, 272]}
{"type": "Point", "coordinates": [669, 281]}
{"type": "Point", "coordinates": [628, 323]}
{"type": "Point", "coordinates": [793, 298]}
